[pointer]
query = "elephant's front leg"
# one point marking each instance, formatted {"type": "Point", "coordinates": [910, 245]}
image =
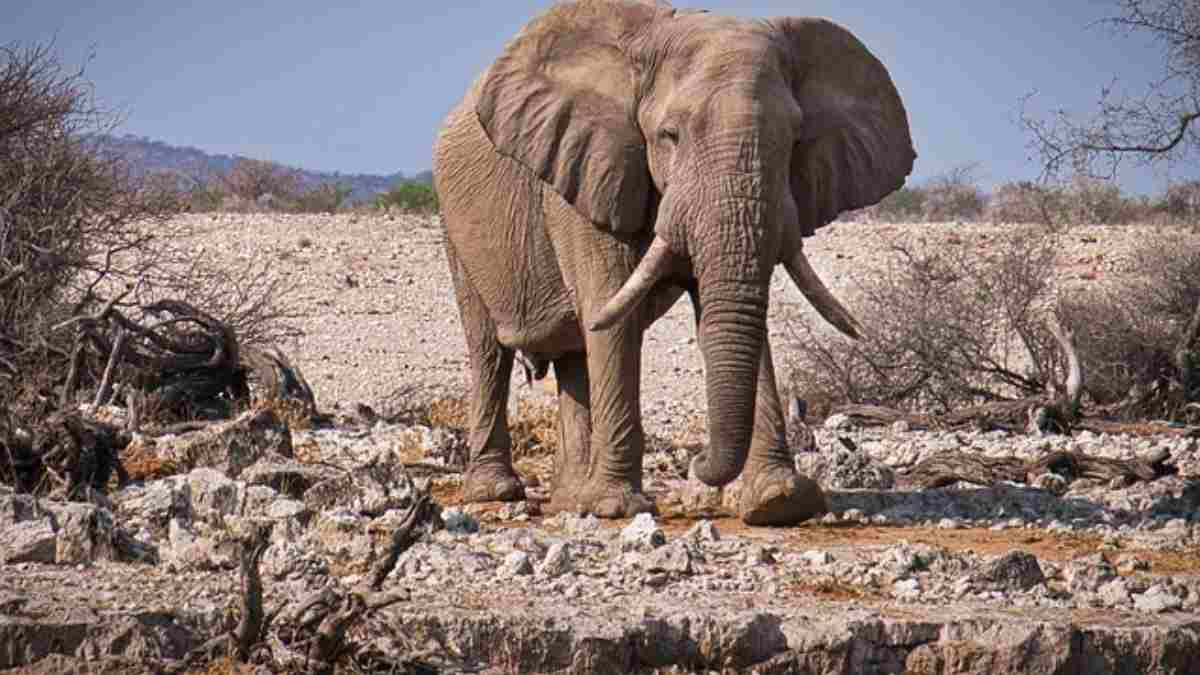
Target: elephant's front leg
{"type": "Point", "coordinates": [773, 493]}
{"type": "Point", "coordinates": [614, 480]}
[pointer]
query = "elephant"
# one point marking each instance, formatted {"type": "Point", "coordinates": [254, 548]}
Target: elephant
{"type": "Point", "coordinates": [622, 153]}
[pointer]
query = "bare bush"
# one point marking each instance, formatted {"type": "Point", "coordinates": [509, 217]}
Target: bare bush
{"type": "Point", "coordinates": [323, 198]}
{"type": "Point", "coordinates": [258, 182]}
{"type": "Point", "coordinates": [1098, 202]}
{"type": "Point", "coordinates": [1027, 202]}
{"type": "Point", "coordinates": [73, 223]}
{"type": "Point", "coordinates": [1182, 202]}
{"type": "Point", "coordinates": [1130, 356]}
{"type": "Point", "coordinates": [945, 326]}
{"type": "Point", "coordinates": [955, 196]}
{"type": "Point", "coordinates": [82, 237]}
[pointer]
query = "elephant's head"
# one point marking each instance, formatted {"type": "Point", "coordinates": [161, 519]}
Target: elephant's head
{"type": "Point", "coordinates": [732, 139]}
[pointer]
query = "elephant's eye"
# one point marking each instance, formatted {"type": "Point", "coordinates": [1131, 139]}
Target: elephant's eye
{"type": "Point", "coordinates": [669, 134]}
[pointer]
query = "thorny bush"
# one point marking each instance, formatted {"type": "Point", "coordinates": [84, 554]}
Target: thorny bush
{"type": "Point", "coordinates": [78, 230]}
{"type": "Point", "coordinates": [1128, 356]}
{"type": "Point", "coordinates": [946, 325]}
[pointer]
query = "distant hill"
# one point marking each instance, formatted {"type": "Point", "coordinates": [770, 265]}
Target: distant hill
{"type": "Point", "coordinates": [146, 156]}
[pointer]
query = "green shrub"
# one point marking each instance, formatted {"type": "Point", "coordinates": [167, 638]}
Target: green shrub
{"type": "Point", "coordinates": [905, 205]}
{"type": "Point", "coordinates": [409, 197]}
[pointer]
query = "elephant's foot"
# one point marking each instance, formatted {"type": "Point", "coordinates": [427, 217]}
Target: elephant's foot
{"type": "Point", "coordinates": [602, 499]}
{"type": "Point", "coordinates": [491, 483]}
{"type": "Point", "coordinates": [780, 496]}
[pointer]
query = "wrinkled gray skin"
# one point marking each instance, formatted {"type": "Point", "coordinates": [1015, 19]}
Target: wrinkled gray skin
{"type": "Point", "coordinates": [622, 153]}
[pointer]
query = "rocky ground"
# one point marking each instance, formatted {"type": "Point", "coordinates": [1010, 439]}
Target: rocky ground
{"type": "Point", "coordinates": [1061, 575]}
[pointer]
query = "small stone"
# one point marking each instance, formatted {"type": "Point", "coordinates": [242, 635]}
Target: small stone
{"type": "Point", "coordinates": [1157, 599]}
{"type": "Point", "coordinates": [1052, 483]}
{"type": "Point", "coordinates": [288, 508]}
{"type": "Point", "coordinates": [1086, 574]}
{"type": "Point", "coordinates": [29, 541]}
{"type": "Point", "coordinates": [817, 557]}
{"type": "Point", "coordinates": [1014, 571]}
{"type": "Point", "coordinates": [517, 512]}
{"type": "Point", "coordinates": [1177, 526]}
{"type": "Point", "coordinates": [214, 495]}
{"type": "Point", "coordinates": [676, 558]}
{"type": "Point", "coordinates": [642, 533]}
{"type": "Point", "coordinates": [948, 524]}
{"type": "Point", "coordinates": [838, 422]}
{"type": "Point", "coordinates": [458, 521]}
{"type": "Point", "coordinates": [962, 586]}
{"type": "Point", "coordinates": [557, 562]}
{"type": "Point", "coordinates": [853, 516]}
{"type": "Point", "coordinates": [703, 531]}
{"type": "Point", "coordinates": [760, 555]}
{"type": "Point", "coordinates": [830, 519]}
{"type": "Point", "coordinates": [1114, 593]}
{"type": "Point", "coordinates": [581, 525]}
{"type": "Point", "coordinates": [852, 470]}
{"type": "Point", "coordinates": [907, 588]}
{"type": "Point", "coordinates": [657, 580]}
{"type": "Point", "coordinates": [516, 564]}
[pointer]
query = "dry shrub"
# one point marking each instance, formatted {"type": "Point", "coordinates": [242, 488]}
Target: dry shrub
{"type": "Point", "coordinates": [954, 196]}
{"type": "Point", "coordinates": [1127, 353]}
{"type": "Point", "coordinates": [534, 429]}
{"type": "Point", "coordinates": [946, 325]}
{"type": "Point", "coordinates": [1027, 202]}
{"type": "Point", "coordinates": [448, 412]}
{"type": "Point", "coordinates": [80, 236]}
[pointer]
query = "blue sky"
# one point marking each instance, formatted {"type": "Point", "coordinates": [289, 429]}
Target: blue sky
{"type": "Point", "coordinates": [362, 87]}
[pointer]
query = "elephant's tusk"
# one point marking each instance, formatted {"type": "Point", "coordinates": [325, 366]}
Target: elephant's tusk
{"type": "Point", "coordinates": [806, 279]}
{"type": "Point", "coordinates": [654, 266]}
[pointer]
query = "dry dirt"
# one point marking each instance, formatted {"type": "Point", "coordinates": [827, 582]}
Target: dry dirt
{"type": "Point", "coordinates": [376, 309]}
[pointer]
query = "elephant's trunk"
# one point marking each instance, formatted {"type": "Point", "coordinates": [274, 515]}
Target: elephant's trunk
{"type": "Point", "coordinates": [733, 265]}
{"type": "Point", "coordinates": [731, 336]}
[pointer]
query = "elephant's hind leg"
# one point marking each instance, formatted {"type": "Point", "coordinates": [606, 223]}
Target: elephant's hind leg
{"type": "Point", "coordinates": [574, 432]}
{"type": "Point", "coordinates": [490, 475]}
{"type": "Point", "coordinates": [773, 493]}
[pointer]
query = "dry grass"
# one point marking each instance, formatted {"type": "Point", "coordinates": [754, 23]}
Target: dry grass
{"type": "Point", "coordinates": [534, 430]}
{"type": "Point", "coordinates": [447, 412]}
{"type": "Point", "coordinates": [142, 462]}
{"type": "Point", "coordinates": [291, 412]}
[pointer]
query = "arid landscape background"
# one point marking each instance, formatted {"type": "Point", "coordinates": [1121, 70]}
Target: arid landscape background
{"type": "Point", "coordinates": [232, 410]}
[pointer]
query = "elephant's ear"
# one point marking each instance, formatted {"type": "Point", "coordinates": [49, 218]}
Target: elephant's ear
{"type": "Point", "coordinates": [560, 101]}
{"type": "Point", "coordinates": [855, 147]}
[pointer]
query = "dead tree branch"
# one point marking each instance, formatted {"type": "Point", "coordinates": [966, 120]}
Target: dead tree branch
{"type": "Point", "coordinates": [114, 360]}
{"type": "Point", "coordinates": [252, 626]}
{"type": "Point", "coordinates": [950, 467]}
{"type": "Point", "coordinates": [403, 538]}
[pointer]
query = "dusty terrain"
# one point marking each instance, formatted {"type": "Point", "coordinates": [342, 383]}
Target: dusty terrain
{"type": "Point", "coordinates": [376, 307]}
{"type": "Point", "coordinates": [1063, 576]}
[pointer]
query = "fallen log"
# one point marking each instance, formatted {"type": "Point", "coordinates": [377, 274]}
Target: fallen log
{"type": "Point", "coordinates": [953, 466]}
